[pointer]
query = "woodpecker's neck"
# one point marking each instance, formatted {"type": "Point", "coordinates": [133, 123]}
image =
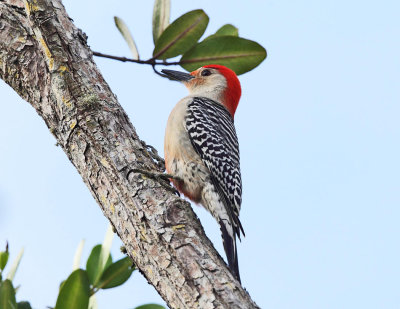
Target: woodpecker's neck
{"type": "Point", "coordinates": [219, 95]}
{"type": "Point", "coordinates": [216, 94]}
{"type": "Point", "coordinates": [231, 101]}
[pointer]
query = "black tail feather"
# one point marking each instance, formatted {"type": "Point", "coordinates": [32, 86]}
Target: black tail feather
{"type": "Point", "coordinates": [230, 250]}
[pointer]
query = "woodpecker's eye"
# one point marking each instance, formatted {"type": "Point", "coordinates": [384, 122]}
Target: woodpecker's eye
{"type": "Point", "coordinates": [206, 73]}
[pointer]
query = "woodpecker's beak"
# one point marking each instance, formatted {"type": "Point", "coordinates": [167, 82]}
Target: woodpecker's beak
{"type": "Point", "coordinates": [179, 76]}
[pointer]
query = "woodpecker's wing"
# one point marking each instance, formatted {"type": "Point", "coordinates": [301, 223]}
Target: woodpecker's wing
{"type": "Point", "coordinates": [213, 135]}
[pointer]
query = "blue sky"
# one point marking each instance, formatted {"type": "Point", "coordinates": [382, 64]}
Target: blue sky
{"type": "Point", "coordinates": [319, 138]}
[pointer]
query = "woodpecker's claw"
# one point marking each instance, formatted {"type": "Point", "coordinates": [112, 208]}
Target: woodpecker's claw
{"type": "Point", "coordinates": [172, 189]}
{"type": "Point", "coordinates": [161, 178]}
{"type": "Point", "coordinates": [154, 155]}
{"type": "Point", "coordinates": [168, 177]}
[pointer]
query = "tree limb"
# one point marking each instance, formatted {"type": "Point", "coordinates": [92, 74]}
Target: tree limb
{"type": "Point", "coordinates": [46, 60]}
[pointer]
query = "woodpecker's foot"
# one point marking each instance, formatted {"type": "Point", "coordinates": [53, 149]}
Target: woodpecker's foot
{"type": "Point", "coordinates": [163, 179]}
{"type": "Point", "coordinates": [154, 155]}
{"type": "Point", "coordinates": [153, 175]}
{"type": "Point", "coordinates": [168, 177]}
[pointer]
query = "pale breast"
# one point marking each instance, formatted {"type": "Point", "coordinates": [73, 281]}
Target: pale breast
{"type": "Point", "coordinates": [176, 139]}
{"type": "Point", "coordinates": [181, 159]}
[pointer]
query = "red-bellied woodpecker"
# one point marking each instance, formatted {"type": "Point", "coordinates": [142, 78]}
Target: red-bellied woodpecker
{"type": "Point", "coordinates": [202, 151]}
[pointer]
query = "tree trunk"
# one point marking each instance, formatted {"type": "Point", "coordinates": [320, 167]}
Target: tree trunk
{"type": "Point", "coordinates": [46, 60]}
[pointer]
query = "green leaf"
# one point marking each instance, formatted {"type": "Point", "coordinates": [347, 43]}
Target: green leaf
{"type": "Point", "coordinates": [24, 305]}
{"type": "Point", "coordinates": [228, 29]}
{"type": "Point", "coordinates": [94, 267]}
{"type": "Point", "coordinates": [15, 264]}
{"type": "Point", "coordinates": [116, 274]}
{"type": "Point", "coordinates": [3, 259]}
{"type": "Point", "coordinates": [7, 295]}
{"type": "Point", "coordinates": [181, 35]}
{"type": "Point", "coordinates": [126, 34]}
{"type": "Point", "coordinates": [161, 14]}
{"type": "Point", "coordinates": [100, 257]}
{"type": "Point", "coordinates": [236, 53]}
{"type": "Point", "coordinates": [61, 285]}
{"type": "Point", "coordinates": [75, 292]}
{"type": "Point", "coordinates": [150, 306]}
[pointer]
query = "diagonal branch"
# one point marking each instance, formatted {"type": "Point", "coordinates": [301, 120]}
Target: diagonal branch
{"type": "Point", "coordinates": [46, 60]}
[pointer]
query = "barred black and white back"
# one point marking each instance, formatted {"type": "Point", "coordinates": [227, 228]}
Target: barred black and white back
{"type": "Point", "coordinates": [212, 133]}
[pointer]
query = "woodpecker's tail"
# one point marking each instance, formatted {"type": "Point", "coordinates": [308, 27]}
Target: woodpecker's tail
{"type": "Point", "coordinates": [229, 240]}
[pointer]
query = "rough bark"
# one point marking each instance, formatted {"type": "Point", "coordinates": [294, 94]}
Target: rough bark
{"type": "Point", "coordinates": [46, 60]}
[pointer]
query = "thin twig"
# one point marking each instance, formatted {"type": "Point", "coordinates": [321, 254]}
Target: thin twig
{"type": "Point", "coordinates": [158, 73]}
{"type": "Point", "coordinates": [150, 61]}
{"type": "Point", "coordinates": [161, 74]}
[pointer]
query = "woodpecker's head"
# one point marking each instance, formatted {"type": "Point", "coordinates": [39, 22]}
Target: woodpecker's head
{"type": "Point", "coordinates": [213, 81]}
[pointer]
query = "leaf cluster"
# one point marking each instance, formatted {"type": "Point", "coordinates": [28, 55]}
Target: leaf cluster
{"type": "Point", "coordinates": [181, 38]}
{"type": "Point", "coordinates": [79, 289]}
{"type": "Point", "coordinates": [7, 290]}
